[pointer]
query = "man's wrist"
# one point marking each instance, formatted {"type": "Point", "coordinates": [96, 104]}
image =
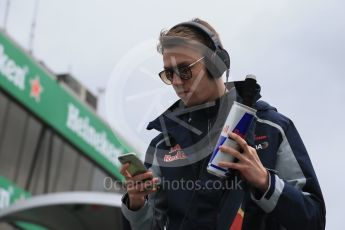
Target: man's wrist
{"type": "Point", "coordinates": [263, 186]}
{"type": "Point", "coordinates": [135, 204]}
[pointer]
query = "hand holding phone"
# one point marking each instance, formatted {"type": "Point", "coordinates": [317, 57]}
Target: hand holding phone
{"type": "Point", "coordinates": [139, 183]}
{"type": "Point", "coordinates": [136, 167]}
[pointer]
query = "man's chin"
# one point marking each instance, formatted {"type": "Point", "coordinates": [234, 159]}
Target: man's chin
{"type": "Point", "coordinates": [189, 102]}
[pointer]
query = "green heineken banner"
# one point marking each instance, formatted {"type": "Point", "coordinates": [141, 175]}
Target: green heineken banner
{"type": "Point", "coordinates": [36, 89]}
{"type": "Point", "coordinates": [10, 194]}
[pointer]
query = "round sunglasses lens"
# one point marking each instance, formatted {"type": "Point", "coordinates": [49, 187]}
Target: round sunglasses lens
{"type": "Point", "coordinates": [165, 77]}
{"type": "Point", "coordinates": [185, 73]}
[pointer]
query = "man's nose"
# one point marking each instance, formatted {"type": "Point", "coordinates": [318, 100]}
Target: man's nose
{"type": "Point", "coordinates": [176, 80]}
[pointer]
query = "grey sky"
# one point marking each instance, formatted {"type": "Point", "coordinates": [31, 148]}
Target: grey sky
{"type": "Point", "coordinates": [295, 48]}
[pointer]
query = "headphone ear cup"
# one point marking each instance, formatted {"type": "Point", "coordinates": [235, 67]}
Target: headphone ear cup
{"type": "Point", "coordinates": [210, 65]}
{"type": "Point", "coordinates": [224, 57]}
{"type": "Point", "coordinates": [218, 62]}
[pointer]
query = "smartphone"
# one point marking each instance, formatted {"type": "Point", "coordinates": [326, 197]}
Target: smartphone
{"type": "Point", "coordinates": [136, 166]}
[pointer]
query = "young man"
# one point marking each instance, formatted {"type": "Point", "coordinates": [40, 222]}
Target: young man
{"type": "Point", "coordinates": [286, 197]}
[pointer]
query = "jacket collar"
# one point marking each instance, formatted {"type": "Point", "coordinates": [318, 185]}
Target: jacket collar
{"type": "Point", "coordinates": [178, 114]}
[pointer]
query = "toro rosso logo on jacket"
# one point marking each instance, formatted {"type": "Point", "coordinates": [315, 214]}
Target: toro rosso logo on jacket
{"type": "Point", "coordinates": [176, 153]}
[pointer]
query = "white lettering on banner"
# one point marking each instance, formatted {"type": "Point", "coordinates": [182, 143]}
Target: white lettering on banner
{"type": "Point", "coordinates": [13, 72]}
{"type": "Point", "coordinates": [98, 140]}
{"type": "Point", "coordinates": [5, 197]}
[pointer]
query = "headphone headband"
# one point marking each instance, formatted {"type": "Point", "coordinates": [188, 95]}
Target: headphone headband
{"type": "Point", "coordinates": [219, 61]}
{"type": "Point", "coordinates": [205, 31]}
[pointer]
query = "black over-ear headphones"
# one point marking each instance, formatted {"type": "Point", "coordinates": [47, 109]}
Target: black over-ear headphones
{"type": "Point", "coordinates": [219, 60]}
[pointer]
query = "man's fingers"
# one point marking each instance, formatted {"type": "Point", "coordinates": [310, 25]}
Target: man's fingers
{"type": "Point", "coordinates": [135, 187]}
{"type": "Point", "coordinates": [143, 176]}
{"type": "Point", "coordinates": [240, 141]}
{"type": "Point", "coordinates": [232, 152]}
{"type": "Point", "coordinates": [254, 153]}
{"type": "Point", "coordinates": [231, 165]}
{"type": "Point", "coordinates": [124, 171]}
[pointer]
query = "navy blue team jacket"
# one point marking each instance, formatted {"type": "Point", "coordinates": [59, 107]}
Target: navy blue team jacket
{"type": "Point", "coordinates": [180, 153]}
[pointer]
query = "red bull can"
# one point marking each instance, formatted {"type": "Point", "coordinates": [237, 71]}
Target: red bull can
{"type": "Point", "coordinates": [238, 121]}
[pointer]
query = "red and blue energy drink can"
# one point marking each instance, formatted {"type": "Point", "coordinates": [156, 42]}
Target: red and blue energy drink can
{"type": "Point", "coordinates": [238, 121]}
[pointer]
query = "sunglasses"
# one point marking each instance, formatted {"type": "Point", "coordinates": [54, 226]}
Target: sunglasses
{"type": "Point", "coordinates": [184, 72]}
